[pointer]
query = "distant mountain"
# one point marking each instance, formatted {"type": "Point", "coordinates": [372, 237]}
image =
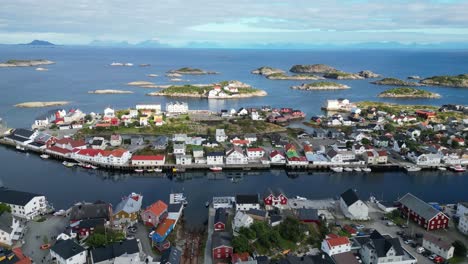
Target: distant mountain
{"type": "Point", "coordinates": [40, 43]}
{"type": "Point", "coordinates": [152, 44]}
{"type": "Point", "coordinates": [103, 43]}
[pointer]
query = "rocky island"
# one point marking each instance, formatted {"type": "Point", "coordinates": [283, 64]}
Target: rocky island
{"type": "Point", "coordinates": [266, 71]}
{"type": "Point", "coordinates": [109, 91]}
{"type": "Point", "coordinates": [332, 73]}
{"type": "Point", "coordinates": [41, 104]}
{"type": "Point", "coordinates": [321, 86]}
{"type": "Point", "coordinates": [460, 80]}
{"type": "Point", "coordinates": [25, 63]}
{"type": "Point", "coordinates": [407, 92]}
{"type": "Point", "coordinates": [143, 84]}
{"type": "Point", "coordinates": [339, 75]}
{"type": "Point", "coordinates": [313, 68]}
{"type": "Point", "coordinates": [278, 74]}
{"type": "Point", "coordinates": [395, 82]}
{"type": "Point", "coordinates": [222, 90]}
{"type": "Point", "coordinates": [190, 71]}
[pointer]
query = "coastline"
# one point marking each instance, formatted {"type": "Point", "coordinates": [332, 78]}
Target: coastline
{"type": "Point", "coordinates": [40, 104]}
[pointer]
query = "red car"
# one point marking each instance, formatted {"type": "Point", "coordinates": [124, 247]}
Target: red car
{"type": "Point", "coordinates": [438, 259]}
{"type": "Point", "coordinates": [45, 246]}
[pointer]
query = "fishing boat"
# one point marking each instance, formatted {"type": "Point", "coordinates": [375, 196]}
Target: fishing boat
{"type": "Point", "coordinates": [412, 168]}
{"type": "Point", "coordinates": [357, 169]}
{"type": "Point", "coordinates": [139, 170]}
{"type": "Point", "coordinates": [216, 169]}
{"type": "Point", "coordinates": [44, 156]}
{"type": "Point", "coordinates": [442, 168]}
{"type": "Point", "coordinates": [158, 170]}
{"type": "Point", "coordinates": [366, 169]}
{"type": "Point", "coordinates": [458, 168]}
{"type": "Point", "coordinates": [336, 169]}
{"type": "Point", "coordinates": [68, 164]}
{"type": "Point", "coordinates": [150, 170]}
{"type": "Point", "coordinates": [348, 169]}
{"type": "Point", "coordinates": [93, 167]}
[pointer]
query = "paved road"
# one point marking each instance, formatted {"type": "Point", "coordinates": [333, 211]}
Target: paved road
{"type": "Point", "coordinates": [211, 214]}
{"type": "Point", "coordinates": [142, 234]}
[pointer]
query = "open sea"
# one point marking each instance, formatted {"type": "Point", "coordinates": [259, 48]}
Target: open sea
{"type": "Point", "coordinates": [82, 69]}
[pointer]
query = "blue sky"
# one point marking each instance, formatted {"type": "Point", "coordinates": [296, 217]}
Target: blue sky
{"type": "Point", "coordinates": [232, 23]}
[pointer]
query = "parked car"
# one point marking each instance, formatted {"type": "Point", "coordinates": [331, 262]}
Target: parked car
{"type": "Point", "coordinates": [426, 253]}
{"type": "Point", "coordinates": [400, 233]}
{"type": "Point", "coordinates": [45, 246]}
{"type": "Point", "coordinates": [438, 259]}
{"type": "Point", "coordinates": [420, 250]}
{"type": "Point", "coordinates": [433, 256]}
{"type": "Point", "coordinates": [419, 235]}
{"type": "Point", "coordinates": [151, 234]}
{"type": "Point", "coordinates": [360, 226]}
{"type": "Point", "coordinates": [408, 241]}
{"type": "Point", "coordinates": [390, 223]}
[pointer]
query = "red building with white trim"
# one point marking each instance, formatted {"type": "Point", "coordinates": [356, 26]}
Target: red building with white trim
{"type": "Point", "coordinates": [275, 199]}
{"type": "Point", "coordinates": [422, 213]}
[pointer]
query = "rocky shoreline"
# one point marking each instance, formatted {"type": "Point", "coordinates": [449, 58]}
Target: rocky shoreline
{"type": "Point", "coordinates": [395, 82]}
{"type": "Point", "coordinates": [25, 63]}
{"type": "Point", "coordinates": [405, 92]}
{"type": "Point", "coordinates": [459, 81]}
{"type": "Point", "coordinates": [41, 104]}
{"type": "Point", "coordinates": [320, 86]}
{"type": "Point", "coordinates": [110, 91]}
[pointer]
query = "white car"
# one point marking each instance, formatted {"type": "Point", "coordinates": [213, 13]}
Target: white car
{"type": "Point", "coordinates": [408, 241]}
{"type": "Point", "coordinates": [433, 256]}
{"type": "Point", "coordinates": [360, 226]}
{"type": "Point", "coordinates": [151, 234]}
{"type": "Point", "coordinates": [420, 250]}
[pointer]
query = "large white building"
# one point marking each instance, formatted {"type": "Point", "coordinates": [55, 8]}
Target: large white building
{"type": "Point", "coordinates": [150, 160]}
{"type": "Point", "coordinates": [334, 244]}
{"type": "Point", "coordinates": [339, 105]}
{"type": "Point", "coordinates": [246, 202]}
{"type": "Point", "coordinates": [438, 246]}
{"type": "Point", "coordinates": [463, 224]}
{"type": "Point", "coordinates": [177, 108]}
{"type": "Point", "coordinates": [377, 249]}
{"type": "Point", "coordinates": [68, 252]}
{"type": "Point", "coordinates": [215, 158]}
{"type": "Point", "coordinates": [10, 229]}
{"type": "Point", "coordinates": [352, 207]}
{"type": "Point", "coordinates": [23, 204]}
{"type": "Point", "coordinates": [236, 156]}
{"type": "Point", "coordinates": [462, 209]}
{"type": "Point", "coordinates": [106, 157]}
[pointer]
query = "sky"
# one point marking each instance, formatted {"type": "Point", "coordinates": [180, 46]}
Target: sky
{"type": "Point", "coordinates": [234, 23]}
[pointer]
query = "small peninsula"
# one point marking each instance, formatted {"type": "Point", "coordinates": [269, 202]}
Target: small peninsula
{"type": "Point", "coordinates": [41, 104]}
{"type": "Point", "coordinates": [321, 86]}
{"type": "Point", "coordinates": [313, 68]}
{"type": "Point", "coordinates": [190, 71]}
{"type": "Point", "coordinates": [143, 84]}
{"type": "Point", "coordinates": [407, 92]}
{"type": "Point", "coordinates": [460, 80]}
{"type": "Point", "coordinates": [395, 82]}
{"type": "Point", "coordinates": [25, 63]}
{"type": "Point", "coordinates": [110, 91]}
{"type": "Point", "coordinates": [221, 90]}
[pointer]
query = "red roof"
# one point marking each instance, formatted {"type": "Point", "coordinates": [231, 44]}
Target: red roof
{"type": "Point", "coordinates": [164, 226]}
{"type": "Point", "coordinates": [20, 255]}
{"type": "Point", "coordinates": [289, 146]}
{"type": "Point", "coordinates": [58, 150]}
{"type": "Point", "coordinates": [240, 141]}
{"type": "Point", "coordinates": [157, 208]}
{"type": "Point", "coordinates": [105, 153]}
{"type": "Point", "coordinates": [337, 241]}
{"type": "Point", "coordinates": [240, 257]}
{"type": "Point", "coordinates": [349, 229]}
{"type": "Point", "coordinates": [307, 148]}
{"type": "Point", "coordinates": [302, 158]}
{"type": "Point", "coordinates": [73, 143]}
{"type": "Point", "coordinates": [457, 139]}
{"type": "Point", "coordinates": [276, 152]}
{"type": "Point", "coordinates": [382, 152]}
{"type": "Point", "coordinates": [254, 149]}
{"type": "Point", "coordinates": [370, 154]}
{"type": "Point", "coordinates": [148, 157]}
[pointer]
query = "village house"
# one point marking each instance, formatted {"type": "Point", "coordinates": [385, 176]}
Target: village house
{"type": "Point", "coordinates": [126, 251]}
{"type": "Point", "coordinates": [86, 217]}
{"type": "Point", "coordinates": [236, 156]}
{"type": "Point", "coordinates": [422, 213]}
{"type": "Point", "coordinates": [275, 199]}
{"type": "Point", "coordinates": [171, 256]}
{"type": "Point", "coordinates": [127, 210]}
{"type": "Point", "coordinates": [399, 146]}
{"type": "Point", "coordinates": [359, 149]}
{"type": "Point", "coordinates": [221, 247]}
{"type": "Point", "coordinates": [183, 159]}
{"type": "Point", "coordinates": [221, 135]}
{"type": "Point", "coordinates": [438, 246]}
{"type": "Point", "coordinates": [197, 151]}
{"type": "Point", "coordinates": [41, 122]}
{"type": "Point", "coordinates": [459, 141]}
{"type": "Point", "coordinates": [276, 157]}
{"type": "Point", "coordinates": [68, 252]}
{"type": "Point", "coordinates": [154, 213]}
{"type": "Point", "coordinates": [115, 140]}
{"type": "Point", "coordinates": [10, 229]}
{"type": "Point", "coordinates": [225, 202]}
{"type": "Point", "coordinates": [23, 204]}
{"type": "Point", "coordinates": [255, 153]}
{"type": "Point", "coordinates": [340, 157]}
{"type": "Point", "coordinates": [258, 215]}
{"type": "Point", "coordinates": [427, 159]}
{"type": "Point", "coordinates": [353, 207]}
{"type": "Point", "coordinates": [215, 158]}
{"type": "Point", "coordinates": [220, 219]}
{"type": "Point", "coordinates": [240, 142]}
{"type": "Point", "coordinates": [177, 108]}
{"type": "Point", "coordinates": [179, 148]}
{"type": "Point", "coordinates": [463, 224]}
{"type": "Point", "coordinates": [148, 160]}
{"type": "Point", "coordinates": [137, 141]}
{"type": "Point", "coordinates": [334, 244]}
{"type": "Point", "coordinates": [245, 202]}
{"type": "Point", "coordinates": [241, 220]}
{"type": "Point", "coordinates": [462, 209]}
{"type": "Point", "coordinates": [374, 157]}
{"type": "Point", "coordinates": [251, 138]}
{"type": "Point", "coordinates": [21, 136]}
{"type": "Point", "coordinates": [160, 142]}
{"type": "Point", "coordinates": [163, 230]}
{"type": "Point", "coordinates": [144, 121]}
{"type": "Point", "coordinates": [107, 157]}
{"type": "Point", "coordinates": [381, 142]}
{"type": "Point", "coordinates": [339, 105]}
{"type": "Point", "coordinates": [109, 113]}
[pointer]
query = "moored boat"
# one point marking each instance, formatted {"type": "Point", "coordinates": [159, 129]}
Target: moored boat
{"type": "Point", "coordinates": [336, 169]}
{"type": "Point", "coordinates": [366, 169]}
{"type": "Point", "coordinates": [215, 169]}
{"type": "Point", "coordinates": [18, 147]}
{"type": "Point", "coordinates": [357, 169]}
{"type": "Point", "coordinates": [68, 164]}
{"type": "Point", "coordinates": [442, 168]}
{"type": "Point", "coordinates": [458, 168]}
{"type": "Point", "coordinates": [412, 168]}
{"type": "Point", "coordinates": [44, 156]}
{"type": "Point", "coordinates": [150, 170]}
{"type": "Point", "coordinates": [139, 170]}
{"type": "Point", "coordinates": [158, 170]}
{"type": "Point", "coordinates": [348, 169]}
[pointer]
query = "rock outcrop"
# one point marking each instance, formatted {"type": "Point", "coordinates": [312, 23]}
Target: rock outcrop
{"type": "Point", "coordinates": [313, 68]}
{"type": "Point", "coordinates": [321, 86]}
{"type": "Point", "coordinates": [448, 81]}
{"type": "Point", "coordinates": [395, 82]}
{"type": "Point", "coordinates": [25, 63]}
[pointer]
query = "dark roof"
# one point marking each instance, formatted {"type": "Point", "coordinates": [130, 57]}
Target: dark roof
{"type": "Point", "coordinates": [220, 216]}
{"type": "Point", "coordinates": [307, 214]}
{"type": "Point", "coordinates": [247, 198]}
{"type": "Point", "coordinates": [257, 212]}
{"type": "Point", "coordinates": [114, 250]}
{"type": "Point", "coordinates": [91, 223]}
{"type": "Point", "coordinates": [383, 244]}
{"type": "Point", "coordinates": [349, 197]}
{"type": "Point", "coordinates": [345, 258]}
{"type": "Point", "coordinates": [276, 218]}
{"type": "Point", "coordinates": [444, 244]}
{"type": "Point", "coordinates": [6, 220]}
{"type": "Point", "coordinates": [16, 138]}
{"type": "Point", "coordinates": [21, 132]}
{"type": "Point", "coordinates": [16, 197]}
{"type": "Point", "coordinates": [89, 211]}
{"type": "Point", "coordinates": [215, 154]}
{"type": "Point", "coordinates": [171, 256]}
{"type": "Point", "coordinates": [67, 248]}
{"type": "Point", "coordinates": [418, 206]}
{"type": "Point", "coordinates": [221, 239]}
{"type": "Point", "coordinates": [174, 208]}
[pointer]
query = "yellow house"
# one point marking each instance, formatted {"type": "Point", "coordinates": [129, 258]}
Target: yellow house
{"type": "Point", "coordinates": [158, 120]}
{"type": "Point", "coordinates": [126, 212]}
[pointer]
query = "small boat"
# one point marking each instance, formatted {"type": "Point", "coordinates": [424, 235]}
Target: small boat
{"type": "Point", "coordinates": [150, 170]}
{"type": "Point", "coordinates": [93, 167]}
{"type": "Point", "coordinates": [412, 168]}
{"type": "Point", "coordinates": [207, 204]}
{"type": "Point", "coordinates": [348, 169]}
{"type": "Point", "coordinates": [18, 147]}
{"type": "Point", "coordinates": [139, 170]}
{"type": "Point", "coordinates": [442, 168]}
{"type": "Point", "coordinates": [336, 169]}
{"type": "Point", "coordinates": [158, 170]}
{"type": "Point", "coordinates": [86, 166]}
{"type": "Point", "coordinates": [68, 164]}
{"type": "Point", "coordinates": [216, 169]}
{"type": "Point", "coordinates": [366, 169]}
{"type": "Point", "coordinates": [357, 169]}
{"type": "Point", "coordinates": [458, 168]}
{"type": "Point", "coordinates": [300, 198]}
{"type": "Point", "coordinates": [44, 156]}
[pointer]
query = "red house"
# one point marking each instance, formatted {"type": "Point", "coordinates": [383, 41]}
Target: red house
{"type": "Point", "coordinates": [422, 213]}
{"type": "Point", "coordinates": [425, 114]}
{"type": "Point", "coordinates": [221, 245]}
{"type": "Point", "coordinates": [275, 199]}
{"type": "Point", "coordinates": [220, 219]}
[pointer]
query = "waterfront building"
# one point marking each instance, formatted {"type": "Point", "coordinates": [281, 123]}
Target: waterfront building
{"type": "Point", "coordinates": [126, 251]}
{"type": "Point", "coordinates": [148, 160]}
{"type": "Point", "coordinates": [220, 219]}
{"type": "Point", "coordinates": [276, 157]}
{"type": "Point", "coordinates": [236, 156]}
{"type": "Point", "coordinates": [245, 202]}
{"type": "Point", "coordinates": [21, 136]}
{"type": "Point", "coordinates": [154, 213]}
{"type": "Point", "coordinates": [107, 157]}
{"type": "Point", "coordinates": [438, 246]}
{"type": "Point", "coordinates": [255, 153]}
{"type": "Point", "coordinates": [127, 210]}
{"type": "Point", "coordinates": [339, 105]}
{"type": "Point", "coordinates": [115, 140]}
{"type": "Point", "coordinates": [98, 143]}
{"type": "Point", "coordinates": [353, 207]}
{"type": "Point", "coordinates": [197, 151]}
{"type": "Point", "coordinates": [424, 159]}
{"type": "Point", "coordinates": [225, 202]}
{"type": "Point", "coordinates": [160, 142]}
{"type": "Point", "coordinates": [41, 123]}
{"type": "Point", "coordinates": [274, 199]}
{"type": "Point", "coordinates": [183, 159]}
{"type": "Point", "coordinates": [68, 252]}
{"type": "Point", "coordinates": [334, 244]}
{"type": "Point", "coordinates": [422, 213]}
{"type": "Point", "coordinates": [462, 209]}
{"type": "Point", "coordinates": [163, 230]}
{"type": "Point", "coordinates": [215, 158]}
{"type": "Point", "coordinates": [241, 220]}
{"type": "Point", "coordinates": [179, 148]}
{"type": "Point", "coordinates": [23, 204]}
{"type": "Point", "coordinates": [221, 247]}
{"type": "Point", "coordinates": [463, 224]}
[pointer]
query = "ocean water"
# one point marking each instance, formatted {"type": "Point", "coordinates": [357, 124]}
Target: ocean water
{"type": "Point", "coordinates": [81, 69]}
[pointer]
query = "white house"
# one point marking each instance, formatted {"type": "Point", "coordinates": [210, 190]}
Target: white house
{"type": "Point", "coordinates": [69, 252]}
{"type": "Point", "coordinates": [115, 140]}
{"type": "Point", "coordinates": [220, 135]}
{"type": "Point", "coordinates": [463, 224]}
{"type": "Point", "coordinates": [352, 206]}
{"type": "Point", "coordinates": [179, 148]}
{"type": "Point", "coordinates": [425, 159]}
{"type": "Point", "coordinates": [148, 160]}
{"type": "Point", "coordinates": [133, 113]}
{"type": "Point", "coordinates": [340, 157]}
{"type": "Point", "coordinates": [241, 220]}
{"type": "Point", "coordinates": [183, 159]}
{"type": "Point", "coordinates": [215, 158]}
{"type": "Point", "coordinates": [10, 229]}
{"type": "Point", "coordinates": [462, 209]}
{"type": "Point", "coordinates": [399, 145]}
{"type": "Point", "coordinates": [109, 112]}
{"type": "Point", "coordinates": [377, 249]}
{"type": "Point", "coordinates": [255, 153]}
{"type": "Point", "coordinates": [277, 157]}
{"type": "Point", "coordinates": [23, 204]}
{"type": "Point", "coordinates": [246, 202]}
{"type": "Point", "coordinates": [41, 123]}
{"type": "Point", "coordinates": [177, 108]}
{"type": "Point", "coordinates": [197, 152]}
{"type": "Point", "coordinates": [225, 202]}
{"type": "Point", "coordinates": [251, 137]}
{"type": "Point", "coordinates": [334, 244]}
{"type": "Point", "coordinates": [107, 157]}
{"type": "Point", "coordinates": [438, 246]}
{"type": "Point", "coordinates": [236, 156]}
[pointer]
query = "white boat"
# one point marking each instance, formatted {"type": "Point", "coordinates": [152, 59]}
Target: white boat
{"type": "Point", "coordinates": [139, 170]}
{"type": "Point", "coordinates": [336, 169]}
{"type": "Point", "coordinates": [158, 170]}
{"type": "Point", "coordinates": [93, 167]}
{"type": "Point", "coordinates": [458, 168]}
{"type": "Point", "coordinates": [366, 169]}
{"type": "Point", "coordinates": [18, 147]}
{"type": "Point", "coordinates": [300, 198]}
{"type": "Point", "coordinates": [150, 170]}
{"type": "Point", "coordinates": [357, 169]}
{"type": "Point", "coordinates": [116, 64]}
{"type": "Point", "coordinates": [68, 164]}
{"type": "Point", "coordinates": [442, 168]}
{"type": "Point", "coordinates": [44, 156]}
{"type": "Point", "coordinates": [216, 169]}
{"type": "Point", "coordinates": [348, 169]}
{"type": "Point", "coordinates": [412, 168]}
{"type": "Point", "coordinates": [128, 64]}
